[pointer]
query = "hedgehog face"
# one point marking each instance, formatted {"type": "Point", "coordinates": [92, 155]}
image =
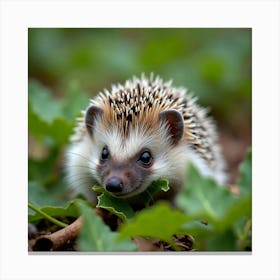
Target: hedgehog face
{"type": "Point", "coordinates": [126, 163]}
{"type": "Point", "coordinates": [125, 178]}
{"type": "Point", "coordinates": [138, 132]}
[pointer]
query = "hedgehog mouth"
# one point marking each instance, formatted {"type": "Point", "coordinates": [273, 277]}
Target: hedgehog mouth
{"type": "Point", "coordinates": [130, 194]}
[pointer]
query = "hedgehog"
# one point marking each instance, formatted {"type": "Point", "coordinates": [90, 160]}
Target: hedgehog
{"type": "Point", "coordinates": [139, 132]}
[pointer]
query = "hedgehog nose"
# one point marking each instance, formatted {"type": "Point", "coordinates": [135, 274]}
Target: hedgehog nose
{"type": "Point", "coordinates": [114, 185]}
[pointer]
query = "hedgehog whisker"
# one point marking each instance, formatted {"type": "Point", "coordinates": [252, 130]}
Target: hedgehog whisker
{"type": "Point", "coordinates": [88, 159]}
{"type": "Point", "coordinates": [81, 179]}
{"type": "Point", "coordinates": [89, 124]}
{"type": "Point", "coordinates": [84, 168]}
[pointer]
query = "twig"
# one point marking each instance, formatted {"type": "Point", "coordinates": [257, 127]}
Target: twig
{"type": "Point", "coordinates": [56, 240]}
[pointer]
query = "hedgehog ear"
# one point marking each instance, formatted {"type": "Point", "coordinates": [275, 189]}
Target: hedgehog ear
{"type": "Point", "coordinates": [175, 124]}
{"type": "Point", "coordinates": [91, 114]}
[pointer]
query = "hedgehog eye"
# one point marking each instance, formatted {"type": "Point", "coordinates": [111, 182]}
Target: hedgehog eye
{"type": "Point", "coordinates": [145, 159]}
{"type": "Point", "coordinates": [104, 154]}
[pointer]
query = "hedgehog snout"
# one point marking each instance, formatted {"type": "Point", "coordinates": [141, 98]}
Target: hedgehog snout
{"type": "Point", "coordinates": [114, 185]}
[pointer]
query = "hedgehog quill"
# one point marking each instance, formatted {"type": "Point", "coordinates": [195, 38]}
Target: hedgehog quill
{"type": "Point", "coordinates": [138, 132]}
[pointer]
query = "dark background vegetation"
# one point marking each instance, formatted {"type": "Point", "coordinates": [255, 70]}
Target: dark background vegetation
{"type": "Point", "coordinates": [68, 66]}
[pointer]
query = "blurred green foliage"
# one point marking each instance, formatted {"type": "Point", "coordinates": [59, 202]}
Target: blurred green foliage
{"type": "Point", "coordinates": [215, 63]}
{"type": "Point", "coordinates": [67, 66]}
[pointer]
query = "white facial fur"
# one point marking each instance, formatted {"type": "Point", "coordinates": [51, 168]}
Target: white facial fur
{"type": "Point", "coordinates": [79, 167]}
{"type": "Point", "coordinates": [169, 161]}
{"type": "Point", "coordinates": [83, 157]}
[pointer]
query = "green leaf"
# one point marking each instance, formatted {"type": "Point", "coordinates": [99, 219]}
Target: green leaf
{"type": "Point", "coordinates": [36, 125]}
{"type": "Point", "coordinates": [46, 216]}
{"type": "Point", "coordinates": [95, 236]}
{"type": "Point", "coordinates": [242, 208]}
{"type": "Point", "coordinates": [197, 229]}
{"type": "Point", "coordinates": [69, 210]}
{"type": "Point", "coordinates": [120, 206]}
{"type": "Point", "coordinates": [48, 108]}
{"type": "Point", "coordinates": [117, 206]}
{"type": "Point", "coordinates": [42, 170]}
{"type": "Point", "coordinates": [75, 100]}
{"type": "Point", "coordinates": [203, 199]}
{"type": "Point", "coordinates": [159, 221]}
{"type": "Point", "coordinates": [154, 188]}
{"type": "Point", "coordinates": [60, 130]}
{"type": "Point", "coordinates": [43, 103]}
{"type": "Point", "coordinates": [225, 241]}
{"type": "Point", "coordinates": [45, 116]}
{"type": "Point", "coordinates": [245, 181]}
{"type": "Point", "coordinates": [48, 193]}
{"type": "Point", "coordinates": [41, 196]}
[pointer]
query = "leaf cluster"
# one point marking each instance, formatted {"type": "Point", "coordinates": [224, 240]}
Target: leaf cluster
{"type": "Point", "coordinates": [217, 219]}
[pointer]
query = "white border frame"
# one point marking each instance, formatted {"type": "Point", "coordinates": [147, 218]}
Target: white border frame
{"type": "Point", "coordinates": [17, 16]}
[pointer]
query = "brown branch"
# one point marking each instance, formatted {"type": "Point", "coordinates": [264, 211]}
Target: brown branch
{"type": "Point", "coordinates": [56, 240]}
